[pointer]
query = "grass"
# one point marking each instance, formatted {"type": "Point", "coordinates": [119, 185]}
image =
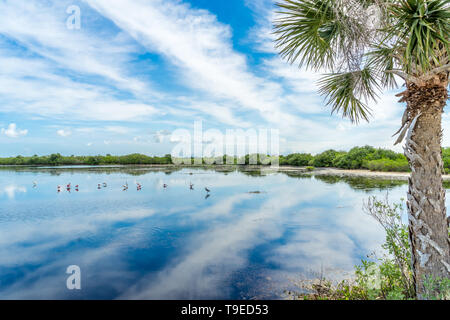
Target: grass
{"type": "Point", "coordinates": [385, 277]}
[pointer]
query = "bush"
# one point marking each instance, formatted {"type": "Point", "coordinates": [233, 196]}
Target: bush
{"type": "Point", "coordinates": [326, 158]}
{"type": "Point", "coordinates": [298, 159]}
{"type": "Point", "coordinates": [386, 165]}
{"type": "Point", "coordinates": [354, 158]}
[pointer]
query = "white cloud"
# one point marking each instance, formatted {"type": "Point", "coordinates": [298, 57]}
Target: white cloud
{"type": "Point", "coordinates": [63, 133]}
{"type": "Point", "coordinates": [54, 96]}
{"type": "Point", "coordinates": [160, 135]}
{"type": "Point", "coordinates": [13, 132]}
{"type": "Point", "coordinates": [42, 29]}
{"type": "Point", "coordinates": [66, 74]}
{"type": "Point", "coordinates": [201, 48]}
{"type": "Point", "coordinates": [46, 81]}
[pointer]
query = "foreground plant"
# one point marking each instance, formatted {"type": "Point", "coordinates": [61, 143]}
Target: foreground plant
{"type": "Point", "coordinates": [362, 45]}
{"type": "Point", "coordinates": [387, 277]}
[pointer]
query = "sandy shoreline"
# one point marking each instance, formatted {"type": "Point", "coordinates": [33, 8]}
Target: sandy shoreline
{"type": "Point", "coordinates": [354, 173]}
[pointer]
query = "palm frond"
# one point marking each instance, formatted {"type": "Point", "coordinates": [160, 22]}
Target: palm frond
{"type": "Point", "coordinates": [384, 59]}
{"type": "Point", "coordinates": [424, 25]}
{"type": "Point", "coordinates": [303, 32]}
{"type": "Point", "coordinates": [363, 43]}
{"type": "Point", "coordinates": [319, 34]}
{"type": "Point", "coordinates": [349, 92]}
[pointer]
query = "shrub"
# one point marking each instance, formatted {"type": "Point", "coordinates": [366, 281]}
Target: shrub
{"type": "Point", "coordinates": [326, 158]}
{"type": "Point", "coordinates": [388, 165]}
{"type": "Point", "coordinates": [354, 158]}
{"type": "Point", "coordinates": [299, 159]}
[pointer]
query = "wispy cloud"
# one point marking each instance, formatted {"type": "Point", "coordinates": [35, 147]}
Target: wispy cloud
{"type": "Point", "coordinates": [105, 79]}
{"type": "Point", "coordinates": [55, 72]}
{"type": "Point", "coordinates": [201, 48]}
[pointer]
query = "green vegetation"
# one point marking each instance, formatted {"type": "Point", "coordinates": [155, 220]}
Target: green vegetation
{"type": "Point", "coordinates": [59, 160]}
{"type": "Point", "coordinates": [388, 277]}
{"type": "Point", "coordinates": [357, 158]}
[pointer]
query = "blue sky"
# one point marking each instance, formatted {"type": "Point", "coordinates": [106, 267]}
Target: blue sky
{"type": "Point", "coordinates": [138, 70]}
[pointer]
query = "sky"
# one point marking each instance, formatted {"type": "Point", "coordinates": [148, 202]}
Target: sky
{"type": "Point", "coordinates": [134, 72]}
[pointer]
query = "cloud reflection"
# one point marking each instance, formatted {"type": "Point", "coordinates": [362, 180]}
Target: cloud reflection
{"type": "Point", "coordinates": [172, 244]}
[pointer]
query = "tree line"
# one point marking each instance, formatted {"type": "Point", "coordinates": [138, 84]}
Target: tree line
{"type": "Point", "coordinates": [60, 160]}
{"type": "Point", "coordinates": [367, 157]}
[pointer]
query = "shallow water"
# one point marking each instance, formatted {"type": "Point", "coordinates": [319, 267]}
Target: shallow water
{"type": "Point", "coordinates": [176, 243]}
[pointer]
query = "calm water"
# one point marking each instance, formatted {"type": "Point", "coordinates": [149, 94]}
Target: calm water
{"type": "Point", "coordinates": [176, 243]}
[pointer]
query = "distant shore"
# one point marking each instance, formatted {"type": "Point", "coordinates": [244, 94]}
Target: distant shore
{"type": "Point", "coordinates": [354, 173]}
{"type": "Point", "coordinates": [403, 176]}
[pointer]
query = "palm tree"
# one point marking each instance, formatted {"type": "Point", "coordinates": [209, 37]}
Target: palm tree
{"type": "Point", "coordinates": [364, 47]}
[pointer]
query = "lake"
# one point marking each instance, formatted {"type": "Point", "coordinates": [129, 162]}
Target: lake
{"type": "Point", "coordinates": [252, 237]}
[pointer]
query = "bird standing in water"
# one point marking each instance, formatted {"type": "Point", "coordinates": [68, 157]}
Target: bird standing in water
{"type": "Point", "coordinates": [191, 186]}
{"type": "Point", "coordinates": [207, 190]}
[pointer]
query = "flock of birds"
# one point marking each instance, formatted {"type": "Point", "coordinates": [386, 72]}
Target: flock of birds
{"type": "Point", "coordinates": [124, 187]}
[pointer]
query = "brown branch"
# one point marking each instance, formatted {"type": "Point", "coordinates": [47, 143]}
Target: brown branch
{"type": "Point", "coordinates": [405, 76]}
{"type": "Point", "coordinates": [441, 69]}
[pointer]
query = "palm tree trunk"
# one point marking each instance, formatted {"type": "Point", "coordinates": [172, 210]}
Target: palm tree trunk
{"type": "Point", "coordinates": [428, 228]}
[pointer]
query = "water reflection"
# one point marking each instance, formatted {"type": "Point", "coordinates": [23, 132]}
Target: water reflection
{"type": "Point", "coordinates": [248, 239]}
{"type": "Point", "coordinates": [11, 190]}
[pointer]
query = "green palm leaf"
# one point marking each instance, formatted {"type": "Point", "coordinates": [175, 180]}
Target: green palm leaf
{"type": "Point", "coordinates": [361, 43]}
